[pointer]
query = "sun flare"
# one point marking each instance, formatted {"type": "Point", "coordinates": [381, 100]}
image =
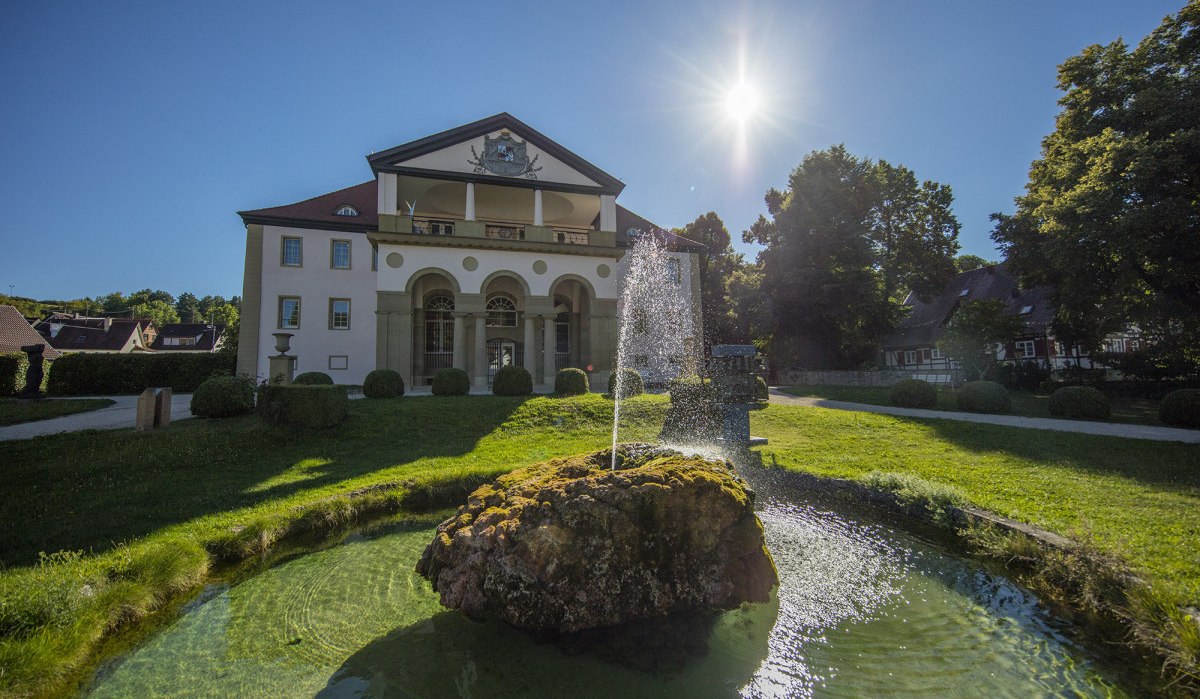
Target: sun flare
{"type": "Point", "coordinates": [741, 103]}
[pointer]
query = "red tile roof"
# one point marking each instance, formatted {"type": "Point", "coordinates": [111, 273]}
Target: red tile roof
{"type": "Point", "coordinates": [16, 332]}
{"type": "Point", "coordinates": [363, 197]}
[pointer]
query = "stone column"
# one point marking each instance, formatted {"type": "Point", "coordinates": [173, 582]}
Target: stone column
{"type": "Point", "coordinates": [470, 206]}
{"type": "Point", "coordinates": [537, 208]}
{"type": "Point", "coordinates": [530, 346]}
{"type": "Point", "coordinates": [548, 368]}
{"type": "Point", "coordinates": [481, 367]}
{"type": "Point", "coordinates": [394, 333]}
{"type": "Point", "coordinates": [460, 341]}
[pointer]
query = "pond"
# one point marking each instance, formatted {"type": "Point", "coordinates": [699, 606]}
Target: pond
{"type": "Point", "coordinates": [863, 609]}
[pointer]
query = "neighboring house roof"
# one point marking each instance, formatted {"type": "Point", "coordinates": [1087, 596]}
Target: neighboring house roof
{"type": "Point", "coordinates": [92, 334]}
{"type": "Point", "coordinates": [321, 210]}
{"type": "Point", "coordinates": [926, 321]}
{"type": "Point", "coordinates": [626, 219]}
{"type": "Point", "coordinates": [206, 337]}
{"type": "Point", "coordinates": [16, 332]}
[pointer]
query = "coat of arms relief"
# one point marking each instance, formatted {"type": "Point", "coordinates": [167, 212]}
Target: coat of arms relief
{"type": "Point", "coordinates": [504, 155]}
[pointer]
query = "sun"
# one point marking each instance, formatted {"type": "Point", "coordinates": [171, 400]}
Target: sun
{"type": "Point", "coordinates": [741, 102]}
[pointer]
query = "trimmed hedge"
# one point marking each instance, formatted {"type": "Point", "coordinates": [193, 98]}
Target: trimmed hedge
{"type": "Point", "coordinates": [631, 386]}
{"type": "Point", "coordinates": [311, 407]}
{"type": "Point", "coordinates": [128, 374]}
{"type": "Point", "coordinates": [451, 382]}
{"type": "Point", "coordinates": [512, 380]}
{"type": "Point", "coordinates": [1181, 408]}
{"type": "Point", "coordinates": [913, 393]}
{"type": "Point", "coordinates": [10, 368]}
{"type": "Point", "coordinates": [314, 378]}
{"type": "Point", "coordinates": [383, 383]}
{"type": "Point", "coordinates": [984, 397]}
{"type": "Point", "coordinates": [223, 396]}
{"type": "Point", "coordinates": [571, 382]}
{"type": "Point", "coordinates": [1079, 401]}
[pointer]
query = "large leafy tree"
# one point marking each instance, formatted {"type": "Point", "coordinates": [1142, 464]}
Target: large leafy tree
{"type": "Point", "coordinates": [974, 331]}
{"type": "Point", "coordinates": [1109, 217]}
{"type": "Point", "coordinates": [716, 263]}
{"type": "Point", "coordinates": [158, 311]}
{"type": "Point", "coordinates": [846, 241]}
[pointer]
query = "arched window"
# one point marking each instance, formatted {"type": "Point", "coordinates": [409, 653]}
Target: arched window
{"type": "Point", "coordinates": [439, 332]}
{"type": "Point", "coordinates": [346, 210]}
{"type": "Point", "coordinates": [501, 312]}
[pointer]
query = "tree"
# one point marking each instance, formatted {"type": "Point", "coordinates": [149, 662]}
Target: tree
{"type": "Point", "coordinates": [188, 307]}
{"type": "Point", "coordinates": [966, 263]}
{"type": "Point", "coordinates": [846, 242]}
{"type": "Point", "coordinates": [226, 314]}
{"type": "Point", "coordinates": [716, 264]}
{"type": "Point", "coordinates": [974, 331]}
{"type": "Point", "coordinates": [750, 320]}
{"type": "Point", "coordinates": [160, 312]}
{"type": "Point", "coordinates": [1108, 218]}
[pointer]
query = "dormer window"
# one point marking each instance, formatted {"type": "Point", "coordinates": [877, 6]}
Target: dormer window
{"type": "Point", "coordinates": [346, 210]}
{"type": "Point", "coordinates": [633, 232]}
{"type": "Point", "coordinates": [1026, 310]}
{"type": "Point", "coordinates": [963, 293]}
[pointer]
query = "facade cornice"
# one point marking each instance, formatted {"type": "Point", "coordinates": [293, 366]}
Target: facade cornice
{"type": "Point", "coordinates": [377, 237]}
{"type": "Point", "coordinates": [497, 180]}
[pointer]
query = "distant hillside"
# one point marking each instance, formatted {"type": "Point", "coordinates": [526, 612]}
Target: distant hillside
{"type": "Point", "coordinates": [34, 308]}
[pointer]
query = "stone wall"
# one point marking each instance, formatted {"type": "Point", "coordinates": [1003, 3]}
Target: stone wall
{"type": "Point", "coordinates": [800, 377]}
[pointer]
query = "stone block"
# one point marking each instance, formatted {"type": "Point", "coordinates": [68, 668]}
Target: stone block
{"type": "Point", "coordinates": [162, 408]}
{"type": "Point", "coordinates": [144, 418]}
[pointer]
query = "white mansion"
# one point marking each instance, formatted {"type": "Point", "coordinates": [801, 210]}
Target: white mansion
{"type": "Point", "coordinates": [485, 245]}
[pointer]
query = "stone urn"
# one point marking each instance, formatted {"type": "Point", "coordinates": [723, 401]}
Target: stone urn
{"type": "Point", "coordinates": [283, 342]}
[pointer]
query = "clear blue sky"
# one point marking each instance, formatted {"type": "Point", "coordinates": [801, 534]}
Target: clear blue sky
{"type": "Point", "coordinates": [131, 132]}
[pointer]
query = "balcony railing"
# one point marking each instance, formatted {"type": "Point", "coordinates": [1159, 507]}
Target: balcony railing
{"type": "Point", "coordinates": [504, 232]}
{"type": "Point", "coordinates": [570, 237]}
{"type": "Point", "coordinates": [432, 226]}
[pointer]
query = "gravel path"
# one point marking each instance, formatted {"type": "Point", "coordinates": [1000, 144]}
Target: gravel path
{"type": "Point", "coordinates": [119, 414]}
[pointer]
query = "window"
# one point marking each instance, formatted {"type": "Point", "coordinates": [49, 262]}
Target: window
{"type": "Point", "coordinates": [936, 353]}
{"type": "Point", "coordinates": [1024, 349]}
{"type": "Point", "coordinates": [632, 232]}
{"type": "Point", "coordinates": [374, 258]}
{"type": "Point", "coordinates": [439, 332]}
{"type": "Point", "coordinates": [292, 253]}
{"type": "Point", "coordinates": [339, 254]}
{"type": "Point", "coordinates": [910, 356]}
{"type": "Point", "coordinates": [963, 293]}
{"type": "Point", "coordinates": [81, 339]}
{"type": "Point", "coordinates": [346, 210]}
{"type": "Point", "coordinates": [501, 312]}
{"type": "Point", "coordinates": [339, 314]}
{"type": "Point", "coordinates": [641, 322]}
{"type": "Point", "coordinates": [674, 270]}
{"type": "Point", "coordinates": [1026, 310]}
{"type": "Point", "coordinates": [339, 362]}
{"type": "Point", "coordinates": [641, 361]}
{"type": "Point", "coordinates": [289, 312]}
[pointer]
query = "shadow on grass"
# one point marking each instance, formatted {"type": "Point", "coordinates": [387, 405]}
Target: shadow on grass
{"type": "Point", "coordinates": [90, 491]}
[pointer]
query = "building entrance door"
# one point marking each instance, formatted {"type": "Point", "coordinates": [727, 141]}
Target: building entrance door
{"type": "Point", "coordinates": [501, 353]}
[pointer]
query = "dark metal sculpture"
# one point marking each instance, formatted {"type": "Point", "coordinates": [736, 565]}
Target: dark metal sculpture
{"type": "Point", "coordinates": [33, 372]}
{"type": "Point", "coordinates": [732, 371]}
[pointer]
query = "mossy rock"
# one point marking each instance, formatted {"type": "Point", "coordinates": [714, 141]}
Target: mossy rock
{"type": "Point", "coordinates": [537, 550]}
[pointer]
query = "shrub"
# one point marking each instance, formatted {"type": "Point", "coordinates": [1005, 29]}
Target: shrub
{"type": "Point", "coordinates": [1079, 401]}
{"type": "Point", "coordinates": [313, 378]}
{"type": "Point", "coordinates": [313, 407]}
{"type": "Point", "coordinates": [10, 367]}
{"type": "Point", "coordinates": [984, 397]}
{"type": "Point", "coordinates": [631, 385]}
{"type": "Point", "coordinates": [512, 380]}
{"type": "Point", "coordinates": [451, 382]}
{"type": "Point", "coordinates": [571, 382]}
{"type": "Point", "coordinates": [1022, 376]}
{"type": "Point", "coordinates": [913, 393]}
{"type": "Point", "coordinates": [222, 396]}
{"type": "Point", "coordinates": [761, 391]}
{"type": "Point", "coordinates": [694, 416]}
{"type": "Point", "coordinates": [1181, 408]}
{"type": "Point", "coordinates": [128, 374]}
{"type": "Point", "coordinates": [383, 383]}
{"type": "Point", "coordinates": [1049, 386]}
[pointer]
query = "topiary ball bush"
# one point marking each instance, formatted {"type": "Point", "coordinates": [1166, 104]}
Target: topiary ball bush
{"type": "Point", "coordinates": [451, 382]}
{"type": "Point", "coordinates": [761, 391]}
{"type": "Point", "coordinates": [308, 406]}
{"type": "Point", "coordinates": [1181, 408]}
{"type": "Point", "coordinates": [383, 383]}
{"type": "Point", "coordinates": [571, 382]}
{"type": "Point", "coordinates": [913, 393]}
{"type": "Point", "coordinates": [223, 396]}
{"type": "Point", "coordinates": [512, 380]}
{"type": "Point", "coordinates": [313, 378]}
{"type": "Point", "coordinates": [631, 385]}
{"type": "Point", "coordinates": [1079, 401]}
{"type": "Point", "coordinates": [984, 397]}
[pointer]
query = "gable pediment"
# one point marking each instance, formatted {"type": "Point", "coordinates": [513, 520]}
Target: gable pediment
{"type": "Point", "coordinates": [496, 149]}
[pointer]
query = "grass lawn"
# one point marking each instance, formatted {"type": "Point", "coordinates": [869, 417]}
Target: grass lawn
{"type": "Point", "coordinates": [1135, 411]}
{"type": "Point", "coordinates": [14, 411]}
{"type": "Point", "coordinates": [1135, 498]}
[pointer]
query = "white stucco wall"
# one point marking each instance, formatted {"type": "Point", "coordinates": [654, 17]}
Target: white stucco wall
{"type": "Point", "coordinates": [458, 157]}
{"type": "Point", "coordinates": [490, 261]}
{"type": "Point", "coordinates": [315, 283]}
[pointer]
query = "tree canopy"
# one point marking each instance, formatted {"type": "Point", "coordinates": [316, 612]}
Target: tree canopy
{"type": "Point", "coordinates": [974, 331]}
{"type": "Point", "coordinates": [716, 264]}
{"type": "Point", "coordinates": [1109, 215]}
{"type": "Point", "coordinates": [846, 242]}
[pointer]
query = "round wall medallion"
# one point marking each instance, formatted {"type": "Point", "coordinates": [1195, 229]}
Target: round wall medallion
{"type": "Point", "coordinates": [603, 271]}
{"type": "Point", "coordinates": [394, 260]}
{"type": "Point", "coordinates": [539, 266]}
{"type": "Point", "coordinates": [470, 263]}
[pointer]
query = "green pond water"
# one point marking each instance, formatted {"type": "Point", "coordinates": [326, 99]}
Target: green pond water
{"type": "Point", "coordinates": [863, 610]}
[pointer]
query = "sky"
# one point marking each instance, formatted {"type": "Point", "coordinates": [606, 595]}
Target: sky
{"type": "Point", "coordinates": [131, 133]}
